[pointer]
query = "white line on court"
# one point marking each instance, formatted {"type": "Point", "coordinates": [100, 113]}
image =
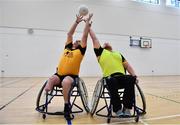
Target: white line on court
{"type": "Point", "coordinates": [130, 121]}
{"type": "Point", "coordinates": [149, 119]}
{"type": "Point", "coordinates": [144, 123]}
{"type": "Point", "coordinates": [162, 117]}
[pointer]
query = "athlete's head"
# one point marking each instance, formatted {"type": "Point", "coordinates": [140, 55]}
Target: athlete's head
{"type": "Point", "coordinates": [76, 44]}
{"type": "Point", "coordinates": [107, 46]}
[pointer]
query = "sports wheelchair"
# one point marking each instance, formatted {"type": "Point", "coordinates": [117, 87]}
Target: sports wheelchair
{"type": "Point", "coordinates": [44, 99]}
{"type": "Point", "coordinates": [101, 93]}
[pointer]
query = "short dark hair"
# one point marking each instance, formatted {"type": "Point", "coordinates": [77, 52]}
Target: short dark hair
{"type": "Point", "coordinates": [78, 41]}
{"type": "Point", "coordinates": [107, 47]}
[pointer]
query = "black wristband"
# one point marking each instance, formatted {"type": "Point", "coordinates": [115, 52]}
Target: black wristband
{"type": "Point", "coordinates": [135, 76]}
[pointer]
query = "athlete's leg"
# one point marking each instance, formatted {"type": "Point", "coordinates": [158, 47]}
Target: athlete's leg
{"type": "Point", "coordinates": [66, 85]}
{"type": "Point", "coordinates": [52, 81]}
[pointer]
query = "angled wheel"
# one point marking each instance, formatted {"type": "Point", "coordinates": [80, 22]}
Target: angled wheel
{"type": "Point", "coordinates": [96, 95]}
{"type": "Point", "coordinates": [140, 100]}
{"type": "Point", "coordinates": [108, 120]}
{"type": "Point", "coordinates": [83, 94]}
{"type": "Point", "coordinates": [44, 116]}
{"type": "Point", "coordinates": [41, 99]}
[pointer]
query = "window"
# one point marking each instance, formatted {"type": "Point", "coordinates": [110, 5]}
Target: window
{"type": "Point", "coordinates": [149, 1]}
{"type": "Point", "coordinates": [173, 3]}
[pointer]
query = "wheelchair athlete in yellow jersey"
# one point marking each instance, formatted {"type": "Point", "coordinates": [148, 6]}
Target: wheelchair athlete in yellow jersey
{"type": "Point", "coordinates": [113, 66]}
{"type": "Point", "coordinates": [69, 65]}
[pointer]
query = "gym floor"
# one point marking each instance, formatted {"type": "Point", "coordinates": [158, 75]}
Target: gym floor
{"type": "Point", "coordinates": [18, 102]}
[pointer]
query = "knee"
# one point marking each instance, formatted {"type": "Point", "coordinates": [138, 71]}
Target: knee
{"type": "Point", "coordinates": [47, 89]}
{"type": "Point", "coordinates": [51, 80]}
{"type": "Point", "coordinates": [67, 81]}
{"type": "Point", "coordinates": [54, 79]}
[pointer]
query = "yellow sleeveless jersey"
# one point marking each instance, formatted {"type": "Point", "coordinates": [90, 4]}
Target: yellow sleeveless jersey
{"type": "Point", "coordinates": [70, 62]}
{"type": "Point", "coordinates": [111, 62]}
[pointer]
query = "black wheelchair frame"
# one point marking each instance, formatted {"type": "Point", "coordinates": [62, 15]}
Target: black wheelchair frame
{"type": "Point", "coordinates": [78, 89]}
{"type": "Point", "coordinates": [101, 92]}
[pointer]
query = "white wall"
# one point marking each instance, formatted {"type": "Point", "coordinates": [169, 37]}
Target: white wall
{"type": "Point", "coordinates": [110, 16]}
{"type": "Point", "coordinates": [37, 54]}
{"type": "Point", "coordinates": [0, 52]}
{"type": "Point", "coordinates": [1, 14]}
{"type": "Point", "coordinates": [0, 38]}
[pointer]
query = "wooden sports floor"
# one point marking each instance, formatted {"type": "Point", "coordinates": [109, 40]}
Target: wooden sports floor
{"type": "Point", "coordinates": [18, 100]}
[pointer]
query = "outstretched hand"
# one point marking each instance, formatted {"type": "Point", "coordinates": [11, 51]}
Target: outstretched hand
{"type": "Point", "coordinates": [79, 18]}
{"type": "Point", "coordinates": [89, 18]}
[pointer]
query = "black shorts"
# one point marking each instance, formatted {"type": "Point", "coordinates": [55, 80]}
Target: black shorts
{"type": "Point", "coordinates": [61, 77]}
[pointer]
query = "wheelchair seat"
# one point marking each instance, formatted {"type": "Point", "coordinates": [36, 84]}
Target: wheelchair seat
{"type": "Point", "coordinates": [44, 98]}
{"type": "Point", "coordinates": [101, 93]}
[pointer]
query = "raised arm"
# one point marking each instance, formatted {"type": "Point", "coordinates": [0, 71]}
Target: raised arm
{"type": "Point", "coordinates": [73, 28]}
{"type": "Point", "coordinates": [86, 31]}
{"type": "Point", "coordinates": [129, 68]}
{"type": "Point", "coordinates": [95, 40]}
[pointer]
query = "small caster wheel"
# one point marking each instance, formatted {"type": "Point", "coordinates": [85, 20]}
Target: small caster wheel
{"type": "Point", "coordinates": [137, 118]}
{"type": "Point", "coordinates": [108, 120]}
{"type": "Point", "coordinates": [44, 116]}
{"type": "Point", "coordinates": [91, 113]}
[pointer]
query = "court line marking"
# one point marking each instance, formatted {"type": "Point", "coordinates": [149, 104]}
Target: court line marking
{"type": "Point", "coordinates": [2, 107]}
{"type": "Point", "coordinates": [143, 122]}
{"type": "Point", "coordinates": [12, 82]}
{"type": "Point", "coordinates": [163, 98]}
{"type": "Point", "coordinates": [4, 82]}
{"type": "Point", "coordinates": [149, 119]}
{"type": "Point", "coordinates": [130, 121]}
{"type": "Point", "coordinates": [162, 117]}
